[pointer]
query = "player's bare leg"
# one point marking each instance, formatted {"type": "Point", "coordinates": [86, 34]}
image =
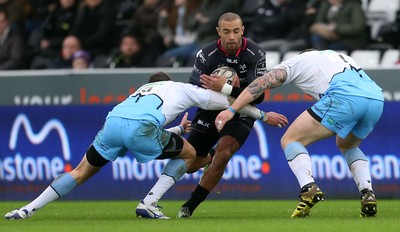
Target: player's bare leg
{"type": "Point", "coordinates": [199, 162]}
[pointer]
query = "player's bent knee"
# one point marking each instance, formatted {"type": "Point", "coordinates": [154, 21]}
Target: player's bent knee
{"type": "Point", "coordinates": [174, 148]}
{"type": "Point", "coordinates": [94, 158]}
{"type": "Point", "coordinates": [198, 163]}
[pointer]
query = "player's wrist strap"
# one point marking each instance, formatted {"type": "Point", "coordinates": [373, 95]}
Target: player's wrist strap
{"type": "Point", "coordinates": [232, 110]}
{"type": "Point", "coordinates": [227, 89]}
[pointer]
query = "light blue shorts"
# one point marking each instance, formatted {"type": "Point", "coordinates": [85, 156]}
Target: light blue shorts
{"type": "Point", "coordinates": [143, 138]}
{"type": "Point", "coordinates": [344, 114]}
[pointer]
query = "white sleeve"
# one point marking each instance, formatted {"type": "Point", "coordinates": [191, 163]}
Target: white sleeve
{"type": "Point", "coordinates": [211, 100]}
{"type": "Point", "coordinates": [219, 101]}
{"type": "Point", "coordinates": [205, 99]}
{"type": "Point", "coordinates": [176, 130]}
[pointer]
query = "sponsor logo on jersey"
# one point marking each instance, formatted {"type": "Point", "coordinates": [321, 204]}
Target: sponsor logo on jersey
{"type": "Point", "coordinates": [231, 61]}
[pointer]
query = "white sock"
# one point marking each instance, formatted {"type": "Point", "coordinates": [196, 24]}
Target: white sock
{"type": "Point", "coordinates": [301, 168]}
{"type": "Point", "coordinates": [163, 184]}
{"type": "Point", "coordinates": [361, 175]}
{"type": "Point", "coordinates": [48, 195]}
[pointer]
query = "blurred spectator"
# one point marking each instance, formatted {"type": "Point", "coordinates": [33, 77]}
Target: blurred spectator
{"type": "Point", "coordinates": [173, 26]}
{"type": "Point", "coordinates": [93, 26]}
{"type": "Point", "coordinates": [123, 13]}
{"type": "Point", "coordinates": [389, 33]}
{"type": "Point", "coordinates": [172, 22]}
{"type": "Point", "coordinates": [144, 24]}
{"type": "Point", "coordinates": [125, 9]}
{"type": "Point", "coordinates": [49, 36]}
{"type": "Point", "coordinates": [298, 38]}
{"type": "Point", "coordinates": [339, 25]}
{"type": "Point", "coordinates": [130, 53]}
{"type": "Point", "coordinates": [11, 44]}
{"type": "Point", "coordinates": [274, 20]}
{"type": "Point", "coordinates": [63, 60]}
{"type": "Point", "coordinates": [35, 13]}
{"type": "Point", "coordinates": [207, 17]}
{"type": "Point", "coordinates": [18, 12]}
{"type": "Point", "coordinates": [81, 60]}
{"type": "Point", "coordinates": [247, 10]}
{"type": "Point", "coordinates": [202, 22]}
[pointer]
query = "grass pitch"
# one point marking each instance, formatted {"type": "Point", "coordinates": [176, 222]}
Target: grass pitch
{"type": "Point", "coordinates": [212, 215]}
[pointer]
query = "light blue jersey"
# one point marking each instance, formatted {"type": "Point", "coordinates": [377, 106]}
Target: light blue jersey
{"type": "Point", "coordinates": [137, 123]}
{"type": "Point", "coordinates": [349, 101]}
{"type": "Point", "coordinates": [321, 72]}
{"type": "Point", "coordinates": [163, 101]}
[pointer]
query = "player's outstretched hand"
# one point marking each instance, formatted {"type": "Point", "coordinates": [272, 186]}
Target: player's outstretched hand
{"type": "Point", "coordinates": [222, 118]}
{"type": "Point", "coordinates": [186, 124]}
{"type": "Point", "coordinates": [275, 119]}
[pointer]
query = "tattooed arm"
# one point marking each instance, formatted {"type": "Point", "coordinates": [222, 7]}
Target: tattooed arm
{"type": "Point", "coordinates": [270, 80]}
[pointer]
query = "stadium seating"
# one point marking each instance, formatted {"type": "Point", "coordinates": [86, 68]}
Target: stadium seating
{"type": "Point", "coordinates": [379, 13]}
{"type": "Point", "coordinates": [388, 8]}
{"type": "Point", "coordinates": [367, 58]}
{"type": "Point", "coordinates": [273, 58]}
{"type": "Point", "coordinates": [389, 58]}
{"type": "Point", "coordinates": [342, 51]}
{"type": "Point", "coordinates": [290, 54]}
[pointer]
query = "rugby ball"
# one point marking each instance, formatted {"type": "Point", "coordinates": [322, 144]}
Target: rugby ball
{"type": "Point", "coordinates": [227, 72]}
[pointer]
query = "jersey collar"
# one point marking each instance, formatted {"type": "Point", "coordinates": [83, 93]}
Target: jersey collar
{"type": "Point", "coordinates": [244, 44]}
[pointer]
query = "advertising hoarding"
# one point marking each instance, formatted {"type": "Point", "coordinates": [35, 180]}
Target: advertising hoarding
{"type": "Point", "coordinates": [39, 143]}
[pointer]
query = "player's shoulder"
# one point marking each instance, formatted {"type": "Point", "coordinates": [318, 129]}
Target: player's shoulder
{"type": "Point", "coordinates": [210, 48]}
{"type": "Point", "coordinates": [252, 48]}
{"type": "Point", "coordinates": [208, 53]}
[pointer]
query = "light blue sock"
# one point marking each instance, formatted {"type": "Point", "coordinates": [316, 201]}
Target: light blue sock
{"type": "Point", "coordinates": [175, 168]}
{"type": "Point", "coordinates": [353, 155]}
{"type": "Point", "coordinates": [64, 184]}
{"type": "Point", "coordinates": [294, 149]}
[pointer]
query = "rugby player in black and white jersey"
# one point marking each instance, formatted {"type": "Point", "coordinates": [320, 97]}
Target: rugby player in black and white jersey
{"type": "Point", "coordinates": [249, 61]}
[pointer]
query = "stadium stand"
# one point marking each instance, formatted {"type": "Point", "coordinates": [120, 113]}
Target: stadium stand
{"type": "Point", "coordinates": [381, 12]}
{"type": "Point", "coordinates": [290, 54]}
{"type": "Point", "coordinates": [366, 58]}
{"type": "Point", "coordinates": [383, 20]}
{"type": "Point", "coordinates": [273, 58]}
{"type": "Point", "coordinates": [389, 58]}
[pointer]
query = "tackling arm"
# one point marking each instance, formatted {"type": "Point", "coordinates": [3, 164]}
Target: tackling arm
{"type": "Point", "coordinates": [251, 111]}
{"type": "Point", "coordinates": [270, 80]}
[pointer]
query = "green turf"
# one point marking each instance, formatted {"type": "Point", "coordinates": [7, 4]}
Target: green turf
{"type": "Point", "coordinates": [212, 215]}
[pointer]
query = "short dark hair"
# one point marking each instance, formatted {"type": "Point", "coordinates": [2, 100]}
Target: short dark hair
{"type": "Point", "coordinates": [307, 50]}
{"type": "Point", "coordinates": [229, 16]}
{"type": "Point", "coordinates": [159, 76]}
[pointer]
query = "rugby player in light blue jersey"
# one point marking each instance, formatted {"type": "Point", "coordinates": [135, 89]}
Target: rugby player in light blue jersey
{"type": "Point", "coordinates": [136, 125]}
{"type": "Point", "coordinates": [349, 106]}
